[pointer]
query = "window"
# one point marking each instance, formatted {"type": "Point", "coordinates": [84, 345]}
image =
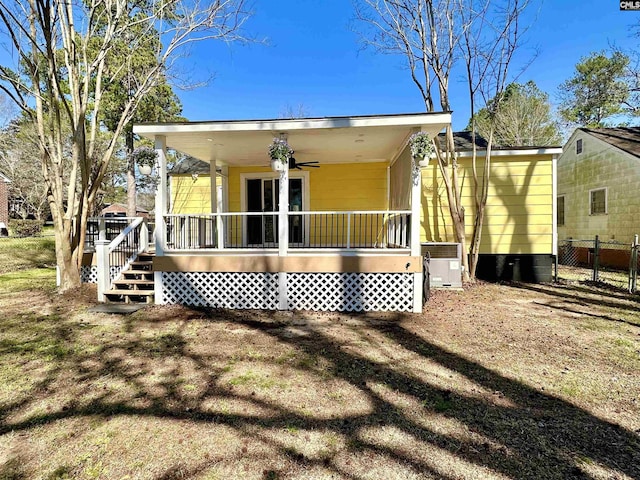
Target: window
{"type": "Point", "coordinates": [579, 146]}
{"type": "Point", "coordinates": [598, 201]}
{"type": "Point", "coordinates": [560, 210]}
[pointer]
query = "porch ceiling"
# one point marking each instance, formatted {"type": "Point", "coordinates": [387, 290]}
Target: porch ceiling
{"type": "Point", "coordinates": [326, 140]}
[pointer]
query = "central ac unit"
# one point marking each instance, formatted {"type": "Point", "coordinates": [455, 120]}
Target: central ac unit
{"type": "Point", "coordinates": [443, 262]}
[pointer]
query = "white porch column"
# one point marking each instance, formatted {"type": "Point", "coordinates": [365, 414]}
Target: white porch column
{"type": "Point", "coordinates": [283, 235]}
{"type": "Point", "coordinates": [214, 182]}
{"type": "Point", "coordinates": [161, 210]}
{"type": "Point", "coordinates": [416, 202]}
{"type": "Point", "coordinates": [222, 205]}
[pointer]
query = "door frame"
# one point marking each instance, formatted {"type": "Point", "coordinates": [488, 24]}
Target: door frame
{"type": "Point", "coordinates": [303, 174]}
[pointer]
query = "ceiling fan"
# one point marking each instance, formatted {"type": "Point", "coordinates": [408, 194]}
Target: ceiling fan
{"type": "Point", "coordinates": [293, 165]}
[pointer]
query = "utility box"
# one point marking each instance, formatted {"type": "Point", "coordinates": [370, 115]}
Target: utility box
{"type": "Point", "coordinates": [444, 261]}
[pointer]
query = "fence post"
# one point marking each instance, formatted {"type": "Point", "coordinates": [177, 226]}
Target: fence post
{"type": "Point", "coordinates": [102, 260]}
{"type": "Point", "coordinates": [596, 259]}
{"type": "Point", "coordinates": [633, 266]}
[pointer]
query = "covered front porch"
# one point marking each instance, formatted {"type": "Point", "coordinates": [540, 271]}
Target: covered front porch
{"type": "Point", "coordinates": [344, 236]}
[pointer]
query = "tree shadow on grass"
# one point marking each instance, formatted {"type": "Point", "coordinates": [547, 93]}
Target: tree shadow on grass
{"type": "Point", "coordinates": [577, 296]}
{"type": "Point", "coordinates": [528, 435]}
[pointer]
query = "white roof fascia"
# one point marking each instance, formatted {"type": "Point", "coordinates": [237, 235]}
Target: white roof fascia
{"type": "Point", "coordinates": [505, 153]}
{"type": "Point", "coordinates": [5, 178]}
{"type": "Point", "coordinates": [297, 124]}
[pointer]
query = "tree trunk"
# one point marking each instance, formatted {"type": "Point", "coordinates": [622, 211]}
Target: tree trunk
{"type": "Point", "coordinates": [132, 209]}
{"type": "Point", "coordinates": [67, 264]}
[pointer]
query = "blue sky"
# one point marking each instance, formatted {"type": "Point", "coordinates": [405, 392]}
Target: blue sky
{"type": "Point", "coordinates": [313, 58]}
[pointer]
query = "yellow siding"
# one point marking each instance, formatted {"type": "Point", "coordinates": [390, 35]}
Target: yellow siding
{"type": "Point", "coordinates": [332, 187]}
{"type": "Point", "coordinates": [191, 195]}
{"type": "Point", "coordinates": [519, 214]}
{"type": "Point", "coordinates": [349, 187]}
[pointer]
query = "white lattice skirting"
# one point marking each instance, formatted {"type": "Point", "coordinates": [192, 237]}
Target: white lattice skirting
{"type": "Point", "coordinates": [89, 273]}
{"type": "Point", "coordinates": [350, 292]}
{"type": "Point", "coordinates": [342, 292]}
{"type": "Point", "coordinates": [221, 289]}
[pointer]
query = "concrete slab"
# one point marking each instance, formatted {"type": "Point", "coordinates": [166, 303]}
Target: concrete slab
{"type": "Point", "coordinates": [121, 308]}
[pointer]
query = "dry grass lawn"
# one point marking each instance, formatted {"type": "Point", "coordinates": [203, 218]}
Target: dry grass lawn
{"type": "Point", "coordinates": [495, 382]}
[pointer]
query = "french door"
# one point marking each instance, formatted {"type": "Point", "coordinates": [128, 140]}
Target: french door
{"type": "Point", "coordinates": [263, 196]}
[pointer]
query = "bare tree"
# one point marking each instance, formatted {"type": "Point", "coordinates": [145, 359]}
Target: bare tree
{"type": "Point", "coordinates": [426, 33]}
{"type": "Point", "coordinates": [7, 110]}
{"type": "Point", "coordinates": [290, 112]}
{"type": "Point", "coordinates": [19, 161]}
{"type": "Point", "coordinates": [436, 37]}
{"type": "Point", "coordinates": [61, 50]}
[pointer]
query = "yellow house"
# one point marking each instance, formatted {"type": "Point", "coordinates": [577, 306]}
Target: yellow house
{"type": "Point", "coordinates": [336, 230]}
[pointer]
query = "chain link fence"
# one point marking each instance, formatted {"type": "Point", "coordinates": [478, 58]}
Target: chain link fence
{"type": "Point", "coordinates": [610, 263]}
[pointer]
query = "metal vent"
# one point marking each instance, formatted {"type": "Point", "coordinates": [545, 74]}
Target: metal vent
{"type": "Point", "coordinates": [441, 250]}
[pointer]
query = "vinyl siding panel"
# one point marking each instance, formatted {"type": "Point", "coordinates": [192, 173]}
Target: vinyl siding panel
{"type": "Point", "coordinates": [519, 213]}
{"type": "Point", "coordinates": [189, 195]}
{"type": "Point", "coordinates": [331, 187]}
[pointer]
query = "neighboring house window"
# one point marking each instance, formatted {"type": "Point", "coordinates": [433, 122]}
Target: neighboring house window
{"type": "Point", "coordinates": [598, 201]}
{"type": "Point", "coordinates": [579, 146]}
{"type": "Point", "coordinates": [560, 208]}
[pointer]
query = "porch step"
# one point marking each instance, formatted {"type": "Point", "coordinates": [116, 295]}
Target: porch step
{"type": "Point", "coordinates": [135, 285]}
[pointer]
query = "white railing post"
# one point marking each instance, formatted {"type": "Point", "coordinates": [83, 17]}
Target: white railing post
{"type": "Point", "coordinates": [102, 228]}
{"type": "Point", "coordinates": [220, 231]}
{"type": "Point", "coordinates": [144, 236]}
{"type": "Point", "coordinates": [102, 260]}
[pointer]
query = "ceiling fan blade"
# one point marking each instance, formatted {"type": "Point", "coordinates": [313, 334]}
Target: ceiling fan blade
{"type": "Point", "coordinates": [309, 164]}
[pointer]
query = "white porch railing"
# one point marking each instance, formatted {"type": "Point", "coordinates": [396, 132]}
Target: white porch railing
{"type": "Point", "coordinates": [385, 229]}
{"type": "Point", "coordinates": [109, 228]}
{"type": "Point", "coordinates": [115, 255]}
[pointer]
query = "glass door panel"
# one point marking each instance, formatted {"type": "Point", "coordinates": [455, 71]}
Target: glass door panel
{"type": "Point", "coordinates": [296, 222]}
{"type": "Point", "coordinates": [263, 196]}
{"type": "Point", "coordinates": [269, 205]}
{"type": "Point", "coordinates": [254, 204]}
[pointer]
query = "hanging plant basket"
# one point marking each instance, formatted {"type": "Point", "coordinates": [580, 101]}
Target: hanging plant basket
{"type": "Point", "coordinates": [145, 158]}
{"type": "Point", "coordinates": [424, 161]}
{"type": "Point", "coordinates": [144, 169]}
{"type": "Point", "coordinates": [421, 148]}
{"type": "Point", "coordinates": [280, 152]}
{"type": "Point", "coordinates": [277, 165]}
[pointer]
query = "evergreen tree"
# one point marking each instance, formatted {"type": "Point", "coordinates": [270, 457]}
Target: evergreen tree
{"type": "Point", "coordinates": [522, 117]}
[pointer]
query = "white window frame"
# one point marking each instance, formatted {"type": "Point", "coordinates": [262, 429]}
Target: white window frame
{"type": "Point", "coordinates": [564, 209]}
{"type": "Point", "coordinates": [606, 200]}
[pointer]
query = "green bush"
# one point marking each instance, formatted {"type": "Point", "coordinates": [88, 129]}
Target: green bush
{"type": "Point", "coordinates": [26, 228]}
